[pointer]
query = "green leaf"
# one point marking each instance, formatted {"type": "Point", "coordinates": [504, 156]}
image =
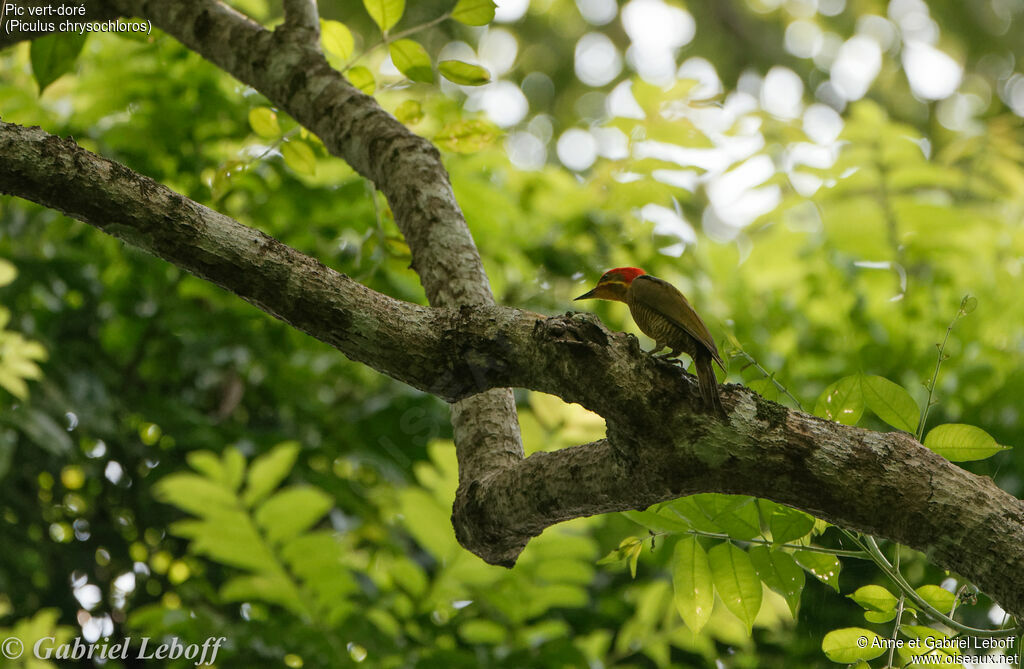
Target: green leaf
{"type": "Point", "coordinates": [960, 443]}
{"type": "Point", "coordinates": [412, 60]}
{"type": "Point", "coordinates": [274, 588]}
{"type": "Point", "coordinates": [891, 403]}
{"type": "Point", "coordinates": [54, 55]}
{"type": "Point", "coordinates": [317, 558]}
{"type": "Point", "coordinates": [362, 79]}
{"type": "Point", "coordinates": [268, 470]}
{"type": "Point", "coordinates": [692, 583]}
{"type": "Point", "coordinates": [385, 13]}
{"type": "Point", "coordinates": [336, 39]}
{"type": "Point", "coordinates": [234, 467]}
{"type": "Point", "coordinates": [8, 272]}
{"type": "Point", "coordinates": [482, 631]}
{"type": "Point", "coordinates": [299, 156]}
{"type": "Point", "coordinates": [409, 112]}
{"type": "Point", "coordinates": [429, 523]}
{"type": "Point", "coordinates": [633, 556]}
{"type": "Point", "coordinates": [467, 136]}
{"type": "Point", "coordinates": [842, 401]}
{"type": "Point", "coordinates": [850, 644]}
{"type": "Point", "coordinates": [736, 515]}
{"type": "Point", "coordinates": [206, 463]}
{"type": "Point", "coordinates": [736, 581]}
{"type": "Point", "coordinates": [292, 511]}
{"type": "Point", "coordinates": [941, 599]}
{"type": "Point", "coordinates": [787, 524]}
{"type": "Point", "coordinates": [874, 598]}
{"type": "Point", "coordinates": [659, 521]}
{"type": "Point", "coordinates": [474, 12]}
{"type": "Point", "coordinates": [823, 567]}
{"type": "Point", "coordinates": [879, 617]}
{"type": "Point", "coordinates": [263, 121]}
{"type": "Point", "coordinates": [780, 572]}
{"type": "Point", "coordinates": [228, 536]}
{"type": "Point", "coordinates": [41, 430]}
{"type": "Point", "coordinates": [462, 73]}
{"type": "Point", "coordinates": [624, 550]}
{"type": "Point", "coordinates": [196, 494]}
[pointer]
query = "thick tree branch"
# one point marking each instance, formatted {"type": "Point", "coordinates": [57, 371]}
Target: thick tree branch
{"type": "Point", "coordinates": [302, 14]}
{"type": "Point", "coordinates": [293, 73]}
{"type": "Point", "coordinates": [658, 448]}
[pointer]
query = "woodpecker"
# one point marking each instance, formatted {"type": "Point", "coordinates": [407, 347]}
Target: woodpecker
{"type": "Point", "coordinates": [664, 314]}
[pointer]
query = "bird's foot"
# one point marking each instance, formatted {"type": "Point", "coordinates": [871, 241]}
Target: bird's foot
{"type": "Point", "coordinates": [668, 357]}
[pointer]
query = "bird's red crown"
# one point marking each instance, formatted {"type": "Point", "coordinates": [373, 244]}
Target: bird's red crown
{"type": "Point", "coordinates": [621, 275]}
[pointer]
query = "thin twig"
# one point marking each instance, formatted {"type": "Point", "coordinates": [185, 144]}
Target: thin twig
{"type": "Point", "coordinates": [389, 38]}
{"type": "Point", "coordinates": [838, 552]}
{"type": "Point", "coordinates": [740, 353]}
{"type": "Point", "coordinates": [966, 306]}
{"type": "Point", "coordinates": [871, 546]}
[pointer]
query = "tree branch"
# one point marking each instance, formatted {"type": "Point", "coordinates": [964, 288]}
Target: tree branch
{"type": "Point", "coordinates": [302, 14]}
{"type": "Point", "coordinates": [658, 448]}
{"type": "Point", "coordinates": [294, 74]}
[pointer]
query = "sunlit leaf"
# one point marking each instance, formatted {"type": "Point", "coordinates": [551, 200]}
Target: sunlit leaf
{"type": "Point", "coordinates": [263, 121]}
{"type": "Point", "coordinates": [361, 78]}
{"type": "Point", "coordinates": [462, 73]}
{"type": "Point", "coordinates": [409, 112]}
{"type": "Point", "coordinates": [268, 470]}
{"type": "Point", "coordinates": [467, 136]}
{"type": "Point", "coordinates": [412, 60]}
{"type": "Point", "coordinates": [961, 443]}
{"type": "Point", "coordinates": [206, 463]}
{"type": "Point", "coordinates": [633, 556]}
{"type": "Point", "coordinates": [850, 644]}
{"type": "Point", "coordinates": [874, 598]}
{"type": "Point", "coordinates": [788, 524]}
{"type": "Point", "coordinates": [337, 39]}
{"type": "Point", "coordinates": [736, 581]}
{"type": "Point", "coordinates": [196, 494]}
{"type": "Point", "coordinates": [233, 467]}
{"type": "Point", "coordinates": [385, 13]}
{"type": "Point", "coordinates": [821, 566]}
{"type": "Point", "coordinates": [474, 12]}
{"type": "Point", "coordinates": [940, 598]}
{"type": "Point", "coordinates": [842, 401]}
{"type": "Point", "coordinates": [780, 572]}
{"type": "Point", "coordinates": [291, 511]}
{"type": "Point", "coordinates": [693, 587]}
{"type": "Point", "coordinates": [890, 402]}
{"type": "Point", "coordinates": [7, 272]}
{"type": "Point", "coordinates": [299, 156]}
{"type": "Point", "coordinates": [274, 588]}
{"type": "Point", "coordinates": [482, 631]}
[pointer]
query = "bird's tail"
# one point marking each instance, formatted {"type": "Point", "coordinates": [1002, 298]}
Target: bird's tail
{"type": "Point", "coordinates": [708, 384]}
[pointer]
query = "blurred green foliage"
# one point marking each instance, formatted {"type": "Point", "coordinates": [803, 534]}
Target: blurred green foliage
{"type": "Point", "coordinates": [176, 462]}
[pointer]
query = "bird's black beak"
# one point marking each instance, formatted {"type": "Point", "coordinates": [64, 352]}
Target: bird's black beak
{"type": "Point", "coordinates": [587, 295]}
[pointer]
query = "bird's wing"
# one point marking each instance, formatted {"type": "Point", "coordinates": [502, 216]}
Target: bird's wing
{"type": "Point", "coordinates": [649, 291]}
